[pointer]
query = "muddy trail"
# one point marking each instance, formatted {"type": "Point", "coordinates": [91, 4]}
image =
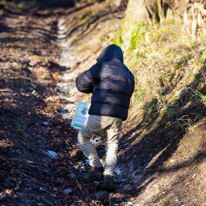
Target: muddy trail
{"type": "Point", "coordinates": [42, 52]}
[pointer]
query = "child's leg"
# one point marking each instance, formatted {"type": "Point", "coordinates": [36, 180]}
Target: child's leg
{"type": "Point", "coordinates": [112, 146]}
{"type": "Point", "coordinates": [92, 125]}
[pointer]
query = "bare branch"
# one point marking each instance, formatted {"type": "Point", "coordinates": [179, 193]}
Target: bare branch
{"type": "Point", "coordinates": [200, 7]}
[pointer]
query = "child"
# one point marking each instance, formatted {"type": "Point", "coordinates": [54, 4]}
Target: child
{"type": "Point", "coordinates": [112, 85]}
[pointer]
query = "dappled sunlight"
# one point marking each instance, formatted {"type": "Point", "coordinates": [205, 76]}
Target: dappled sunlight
{"type": "Point", "coordinates": [162, 148]}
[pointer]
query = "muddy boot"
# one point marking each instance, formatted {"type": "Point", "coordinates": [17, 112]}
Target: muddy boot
{"type": "Point", "coordinates": [108, 183]}
{"type": "Point", "coordinates": [96, 174]}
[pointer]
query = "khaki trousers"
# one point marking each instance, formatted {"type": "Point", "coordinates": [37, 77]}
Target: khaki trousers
{"type": "Point", "coordinates": [92, 125]}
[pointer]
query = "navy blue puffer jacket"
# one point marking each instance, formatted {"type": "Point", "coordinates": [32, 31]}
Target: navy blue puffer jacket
{"type": "Point", "coordinates": [111, 83]}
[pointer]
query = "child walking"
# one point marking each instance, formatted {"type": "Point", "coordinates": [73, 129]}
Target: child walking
{"type": "Point", "coordinates": [111, 84]}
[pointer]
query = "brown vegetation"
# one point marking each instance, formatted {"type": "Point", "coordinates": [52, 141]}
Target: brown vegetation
{"type": "Point", "coordinates": [161, 158]}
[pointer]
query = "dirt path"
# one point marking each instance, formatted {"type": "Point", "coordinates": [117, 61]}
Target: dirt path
{"type": "Point", "coordinates": [31, 128]}
{"type": "Point", "coordinates": [40, 159]}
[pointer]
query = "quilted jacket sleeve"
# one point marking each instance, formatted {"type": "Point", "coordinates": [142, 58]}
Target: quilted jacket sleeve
{"type": "Point", "coordinates": [86, 81]}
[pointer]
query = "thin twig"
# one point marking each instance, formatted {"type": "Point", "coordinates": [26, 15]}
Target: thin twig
{"type": "Point", "coordinates": [36, 150]}
{"type": "Point", "coordinates": [66, 141]}
{"type": "Point", "coordinates": [199, 6]}
{"type": "Point", "coordinates": [34, 180]}
{"type": "Point", "coordinates": [87, 194]}
{"type": "Point", "coordinates": [110, 203]}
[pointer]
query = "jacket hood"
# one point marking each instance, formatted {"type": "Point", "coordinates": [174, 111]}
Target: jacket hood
{"type": "Point", "coordinates": [111, 53]}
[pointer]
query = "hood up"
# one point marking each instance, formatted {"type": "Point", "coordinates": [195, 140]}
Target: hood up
{"type": "Point", "coordinates": [111, 53]}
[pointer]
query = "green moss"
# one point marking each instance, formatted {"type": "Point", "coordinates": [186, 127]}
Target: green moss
{"type": "Point", "coordinates": [139, 94]}
{"type": "Point", "coordinates": [87, 14]}
{"type": "Point", "coordinates": [20, 8]}
{"type": "Point", "coordinates": [118, 39]}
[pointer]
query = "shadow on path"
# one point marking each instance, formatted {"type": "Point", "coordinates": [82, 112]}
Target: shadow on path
{"type": "Point", "coordinates": [144, 154]}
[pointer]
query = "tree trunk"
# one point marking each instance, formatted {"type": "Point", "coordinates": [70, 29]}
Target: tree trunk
{"type": "Point", "coordinates": [141, 12]}
{"type": "Point", "coordinates": [178, 6]}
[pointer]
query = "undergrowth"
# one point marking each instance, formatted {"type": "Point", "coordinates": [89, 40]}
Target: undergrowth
{"type": "Point", "coordinates": [167, 66]}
